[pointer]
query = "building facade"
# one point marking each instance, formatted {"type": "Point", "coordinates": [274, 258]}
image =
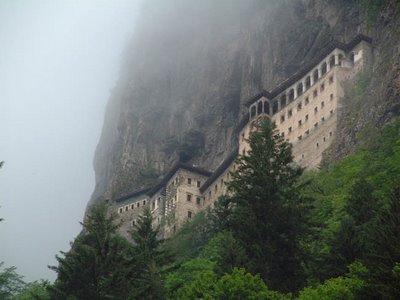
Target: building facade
{"type": "Point", "coordinates": [304, 109]}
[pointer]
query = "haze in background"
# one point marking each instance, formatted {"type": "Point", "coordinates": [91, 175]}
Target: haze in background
{"type": "Point", "coordinates": [58, 62]}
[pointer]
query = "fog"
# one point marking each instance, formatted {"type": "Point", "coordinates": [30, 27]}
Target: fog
{"type": "Point", "coordinates": [58, 62]}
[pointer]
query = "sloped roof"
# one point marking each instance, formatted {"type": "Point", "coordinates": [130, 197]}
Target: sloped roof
{"type": "Point", "coordinates": [221, 169]}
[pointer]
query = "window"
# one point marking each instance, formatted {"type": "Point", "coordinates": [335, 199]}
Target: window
{"type": "Point", "coordinates": [291, 95]}
{"type": "Point", "coordinates": [307, 131]}
{"type": "Point", "coordinates": [317, 145]}
{"type": "Point", "coordinates": [153, 205]}
{"type": "Point", "coordinates": [198, 200]}
{"type": "Point", "coordinates": [315, 93]}
{"type": "Point", "coordinates": [306, 101]}
{"type": "Point", "coordinates": [316, 125]}
{"type": "Point", "coordinates": [299, 106]}
{"type": "Point", "coordinates": [144, 202]}
{"type": "Point", "coordinates": [290, 113]}
{"type": "Point", "coordinates": [198, 183]}
{"type": "Point", "coordinates": [189, 214]}
{"type": "Point", "coordinates": [126, 208]}
{"type": "Point", "coordinates": [306, 118]}
{"type": "Point", "coordinates": [331, 112]}
{"type": "Point", "coordinates": [176, 180]}
{"type": "Point", "coordinates": [216, 187]}
{"type": "Point", "coordinates": [322, 87]}
{"type": "Point", "coordinates": [242, 136]}
{"type": "Point", "coordinates": [121, 210]}
{"type": "Point", "coordinates": [189, 197]}
{"type": "Point", "coordinates": [132, 206]}
{"type": "Point", "coordinates": [302, 156]}
{"type": "Point", "coordinates": [330, 79]}
{"type": "Point", "coordinates": [300, 123]}
{"type": "Point", "coordinates": [322, 119]}
{"type": "Point", "coordinates": [331, 97]}
{"type": "Point", "coordinates": [282, 118]}
{"type": "Point", "coordinates": [323, 139]}
{"type": "Point", "coordinates": [189, 181]}
{"type": "Point", "coordinates": [158, 200]}
{"type": "Point", "coordinates": [133, 223]}
{"type": "Point", "coordinates": [299, 137]}
{"type": "Point", "coordinates": [330, 133]}
{"type": "Point", "coordinates": [322, 104]}
{"type": "Point", "coordinates": [290, 129]}
{"type": "Point", "coordinates": [315, 110]}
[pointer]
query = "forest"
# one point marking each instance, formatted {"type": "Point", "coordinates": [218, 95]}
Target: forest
{"type": "Point", "coordinates": [282, 233]}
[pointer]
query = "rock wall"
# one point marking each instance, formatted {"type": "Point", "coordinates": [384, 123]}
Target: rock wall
{"type": "Point", "coordinates": [191, 64]}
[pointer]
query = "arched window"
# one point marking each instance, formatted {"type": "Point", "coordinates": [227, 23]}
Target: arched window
{"type": "Point", "coordinates": [291, 95]}
{"type": "Point", "coordinates": [266, 107]}
{"type": "Point", "coordinates": [259, 107]}
{"type": "Point", "coordinates": [274, 107]}
{"type": "Point", "coordinates": [315, 76]}
{"type": "Point", "coordinates": [299, 89]}
{"type": "Point", "coordinates": [323, 68]}
{"type": "Point", "coordinates": [332, 61]}
{"type": "Point", "coordinates": [283, 101]}
{"type": "Point", "coordinates": [340, 59]}
{"type": "Point", "coordinates": [308, 82]}
{"type": "Point", "coordinates": [253, 111]}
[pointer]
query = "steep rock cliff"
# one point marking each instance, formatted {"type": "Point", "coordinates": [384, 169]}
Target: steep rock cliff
{"type": "Point", "coordinates": [191, 64]}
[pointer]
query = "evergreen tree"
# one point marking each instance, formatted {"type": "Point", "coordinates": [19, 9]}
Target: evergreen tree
{"type": "Point", "coordinates": [148, 258]}
{"type": "Point", "coordinates": [269, 215]}
{"type": "Point", "coordinates": [383, 257]}
{"type": "Point", "coordinates": [97, 266]}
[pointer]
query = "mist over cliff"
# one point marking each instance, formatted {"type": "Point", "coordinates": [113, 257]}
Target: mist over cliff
{"type": "Point", "coordinates": [190, 66]}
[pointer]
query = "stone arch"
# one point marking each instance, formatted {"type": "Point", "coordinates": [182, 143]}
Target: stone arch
{"type": "Point", "coordinates": [259, 107]}
{"type": "Point", "coordinates": [291, 95]}
{"type": "Point", "coordinates": [274, 107]}
{"type": "Point", "coordinates": [315, 76]}
{"type": "Point", "coordinates": [299, 88]}
{"type": "Point", "coordinates": [324, 68]}
{"type": "Point", "coordinates": [253, 111]}
{"type": "Point", "coordinates": [266, 107]}
{"type": "Point", "coordinates": [332, 61]}
{"type": "Point", "coordinates": [308, 82]}
{"type": "Point", "coordinates": [283, 100]}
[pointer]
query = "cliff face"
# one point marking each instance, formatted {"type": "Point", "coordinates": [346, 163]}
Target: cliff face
{"type": "Point", "coordinates": [191, 64]}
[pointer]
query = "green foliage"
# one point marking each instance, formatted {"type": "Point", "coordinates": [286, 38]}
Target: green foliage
{"type": "Point", "coordinates": [11, 283]}
{"type": "Point", "coordinates": [269, 215]}
{"type": "Point", "coordinates": [35, 290]}
{"type": "Point", "coordinates": [383, 257]}
{"type": "Point", "coordinates": [148, 258]}
{"type": "Point", "coordinates": [188, 242]}
{"type": "Point", "coordinates": [242, 285]}
{"type": "Point", "coordinates": [95, 268]}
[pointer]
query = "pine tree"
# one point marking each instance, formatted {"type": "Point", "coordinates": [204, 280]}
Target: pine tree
{"type": "Point", "coordinates": [383, 257]}
{"type": "Point", "coordinates": [97, 266]}
{"type": "Point", "coordinates": [269, 215]}
{"type": "Point", "coordinates": [148, 258]}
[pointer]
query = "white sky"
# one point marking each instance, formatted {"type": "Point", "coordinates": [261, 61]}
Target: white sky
{"type": "Point", "coordinates": [59, 60]}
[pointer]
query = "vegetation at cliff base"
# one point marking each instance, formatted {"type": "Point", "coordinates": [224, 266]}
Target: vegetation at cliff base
{"type": "Point", "coordinates": [281, 234]}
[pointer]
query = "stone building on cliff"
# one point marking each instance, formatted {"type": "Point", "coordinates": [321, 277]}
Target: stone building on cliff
{"type": "Point", "coordinates": [304, 109]}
